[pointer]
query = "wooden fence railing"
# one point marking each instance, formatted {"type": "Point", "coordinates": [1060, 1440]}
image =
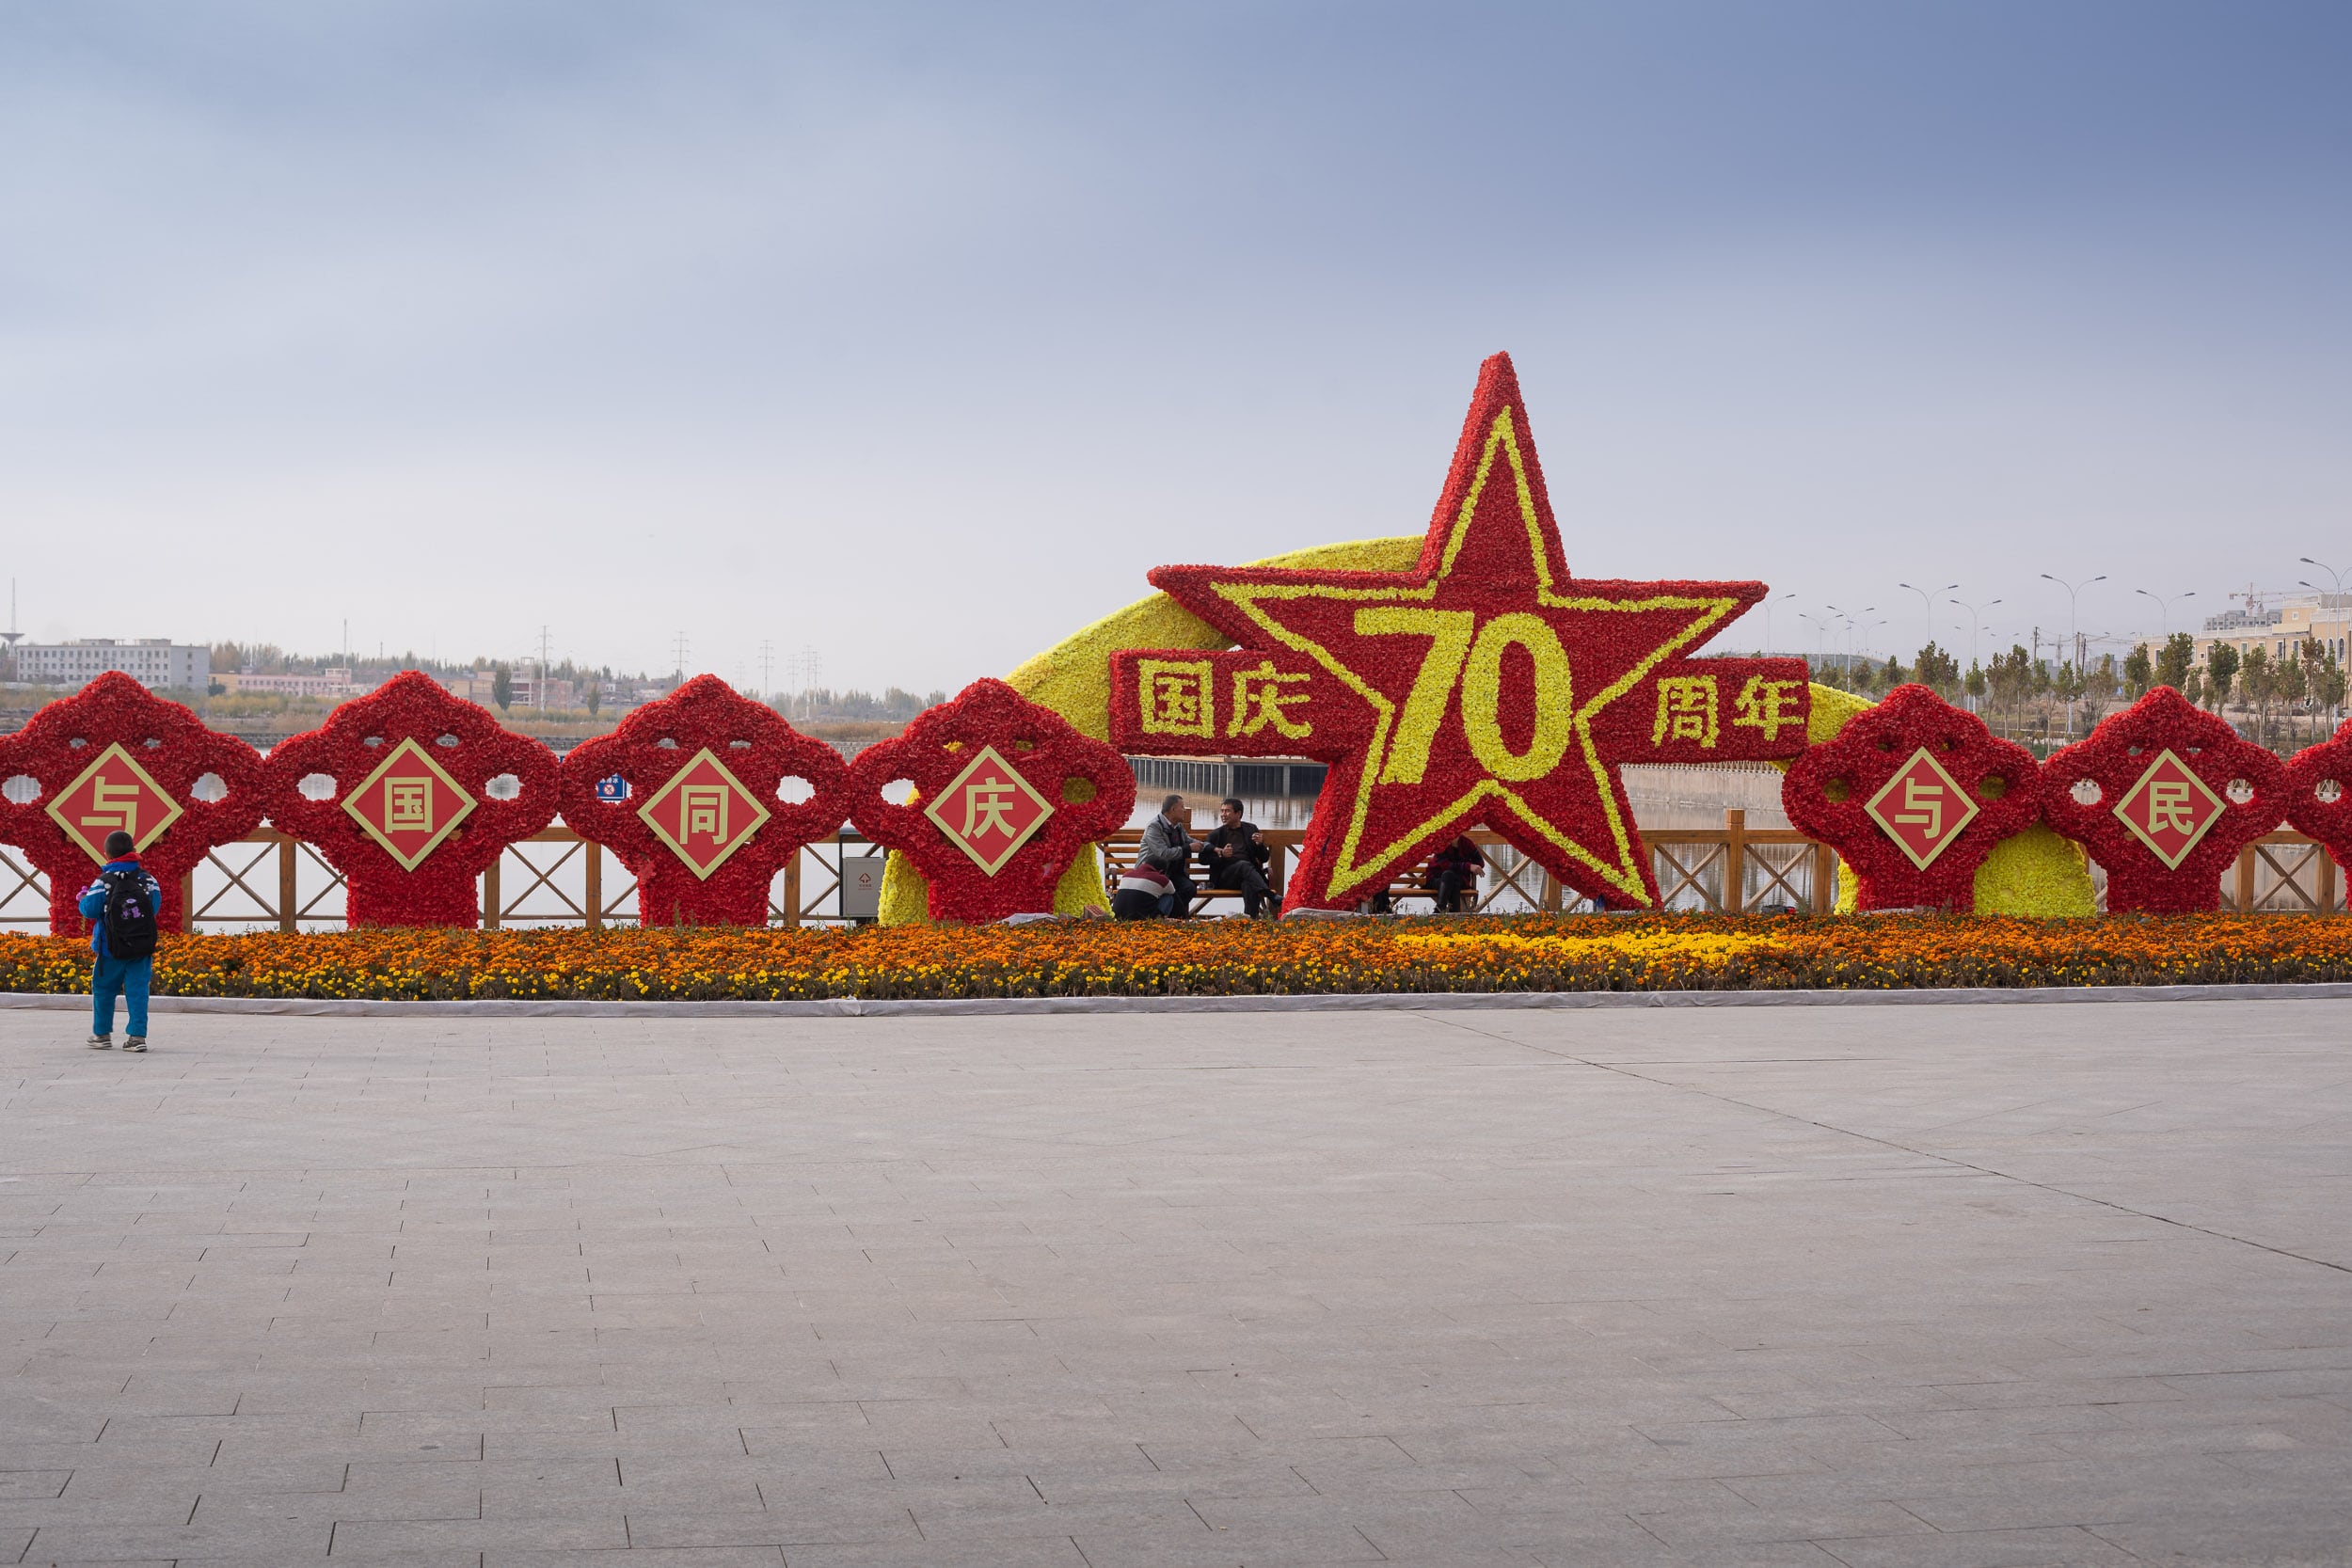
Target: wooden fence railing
{"type": "Point", "coordinates": [556, 877]}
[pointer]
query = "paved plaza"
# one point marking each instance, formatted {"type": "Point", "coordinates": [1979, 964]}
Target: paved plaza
{"type": "Point", "coordinates": [1872, 1287]}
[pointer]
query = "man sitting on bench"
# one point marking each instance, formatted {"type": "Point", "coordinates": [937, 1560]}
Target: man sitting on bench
{"type": "Point", "coordinates": [1168, 849]}
{"type": "Point", "coordinates": [1235, 855]}
{"type": "Point", "coordinates": [1453, 871]}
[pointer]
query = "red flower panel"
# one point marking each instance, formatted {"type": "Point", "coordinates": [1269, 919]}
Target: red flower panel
{"type": "Point", "coordinates": [1006, 796]}
{"type": "Point", "coordinates": [116, 756]}
{"type": "Point", "coordinates": [2319, 793]}
{"type": "Point", "coordinates": [2164, 795]}
{"type": "Point", "coordinates": [401, 800]}
{"type": "Point", "coordinates": [1914, 794]}
{"type": "Point", "coordinates": [703, 826]}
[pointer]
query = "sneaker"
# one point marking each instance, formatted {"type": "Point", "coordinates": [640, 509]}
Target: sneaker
{"type": "Point", "coordinates": [101, 1042]}
{"type": "Point", "coordinates": [135, 1042]}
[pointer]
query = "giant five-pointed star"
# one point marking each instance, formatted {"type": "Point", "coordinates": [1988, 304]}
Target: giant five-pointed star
{"type": "Point", "coordinates": [1487, 685]}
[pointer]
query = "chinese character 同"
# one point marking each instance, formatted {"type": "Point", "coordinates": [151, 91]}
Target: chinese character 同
{"type": "Point", "coordinates": [1259, 700]}
{"type": "Point", "coordinates": [116, 805]}
{"type": "Point", "coordinates": [1178, 697]}
{"type": "Point", "coordinates": [407, 805]}
{"type": "Point", "coordinates": [1686, 711]}
{"type": "Point", "coordinates": [1764, 704]}
{"type": "Point", "coordinates": [703, 809]}
{"type": "Point", "coordinates": [984, 808]}
{"type": "Point", "coordinates": [2168, 807]}
{"type": "Point", "coordinates": [1923, 806]}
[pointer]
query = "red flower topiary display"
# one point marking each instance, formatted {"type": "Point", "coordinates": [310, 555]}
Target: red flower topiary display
{"type": "Point", "coordinates": [402, 800]}
{"type": "Point", "coordinates": [1006, 795]}
{"type": "Point", "coordinates": [2319, 793]}
{"type": "Point", "coordinates": [702, 823]}
{"type": "Point", "coordinates": [1487, 685]}
{"type": "Point", "coordinates": [2164, 795]}
{"type": "Point", "coordinates": [1914, 794]}
{"type": "Point", "coordinates": [116, 756]}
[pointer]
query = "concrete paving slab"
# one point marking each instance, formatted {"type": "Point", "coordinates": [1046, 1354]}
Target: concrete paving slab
{"type": "Point", "coordinates": [1922, 1285]}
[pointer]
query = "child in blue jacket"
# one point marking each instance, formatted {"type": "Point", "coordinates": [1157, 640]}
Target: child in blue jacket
{"type": "Point", "coordinates": [129, 976]}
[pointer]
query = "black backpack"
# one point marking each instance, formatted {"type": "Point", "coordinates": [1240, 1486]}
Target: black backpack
{"type": "Point", "coordinates": [130, 917]}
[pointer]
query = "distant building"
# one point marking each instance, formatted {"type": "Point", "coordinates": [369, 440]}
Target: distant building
{"type": "Point", "coordinates": [327, 683]}
{"type": "Point", "coordinates": [154, 663]}
{"type": "Point", "coordinates": [2326, 618]}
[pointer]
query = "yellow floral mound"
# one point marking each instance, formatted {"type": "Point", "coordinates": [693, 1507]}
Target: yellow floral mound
{"type": "Point", "coordinates": [1073, 678]}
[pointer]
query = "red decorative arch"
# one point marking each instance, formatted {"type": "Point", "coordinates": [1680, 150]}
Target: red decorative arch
{"type": "Point", "coordinates": [2102, 792]}
{"type": "Point", "coordinates": [991, 752]}
{"type": "Point", "coordinates": [703, 826]}
{"type": "Point", "coordinates": [2314, 808]}
{"type": "Point", "coordinates": [394, 756]}
{"type": "Point", "coordinates": [1913, 793]}
{"type": "Point", "coordinates": [115, 753]}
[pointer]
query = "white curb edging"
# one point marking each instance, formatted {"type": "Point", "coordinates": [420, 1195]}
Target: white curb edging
{"type": "Point", "coordinates": [1005, 1007]}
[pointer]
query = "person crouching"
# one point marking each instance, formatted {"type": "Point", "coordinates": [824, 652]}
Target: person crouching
{"type": "Point", "coordinates": [121, 907]}
{"type": "Point", "coordinates": [1144, 894]}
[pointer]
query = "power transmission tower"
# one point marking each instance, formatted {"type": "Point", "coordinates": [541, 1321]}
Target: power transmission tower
{"type": "Point", "coordinates": [681, 659]}
{"type": "Point", "coordinates": [540, 687]}
{"type": "Point", "coordinates": [767, 669]}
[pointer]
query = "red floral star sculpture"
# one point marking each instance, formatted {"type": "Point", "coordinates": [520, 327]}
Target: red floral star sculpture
{"type": "Point", "coordinates": [2164, 795]}
{"type": "Point", "coordinates": [403, 800]}
{"type": "Point", "coordinates": [2319, 793]}
{"type": "Point", "coordinates": [1485, 686]}
{"type": "Point", "coordinates": [115, 756]}
{"type": "Point", "coordinates": [687, 792]}
{"type": "Point", "coordinates": [1914, 794]}
{"type": "Point", "coordinates": [1006, 795]}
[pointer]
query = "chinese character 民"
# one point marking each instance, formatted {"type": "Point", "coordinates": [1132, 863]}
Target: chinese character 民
{"type": "Point", "coordinates": [1178, 697]}
{"type": "Point", "coordinates": [407, 805]}
{"type": "Point", "coordinates": [1686, 710]}
{"type": "Point", "coordinates": [984, 808]}
{"type": "Point", "coordinates": [703, 809]}
{"type": "Point", "coordinates": [2168, 808]}
{"type": "Point", "coordinates": [117, 806]}
{"type": "Point", "coordinates": [1764, 704]}
{"type": "Point", "coordinates": [1923, 806]}
{"type": "Point", "coordinates": [1259, 700]}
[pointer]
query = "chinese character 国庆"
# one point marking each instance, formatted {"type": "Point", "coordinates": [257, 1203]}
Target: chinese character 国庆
{"type": "Point", "coordinates": [1258, 701]}
{"type": "Point", "coordinates": [984, 804]}
{"type": "Point", "coordinates": [407, 805]}
{"type": "Point", "coordinates": [1178, 696]}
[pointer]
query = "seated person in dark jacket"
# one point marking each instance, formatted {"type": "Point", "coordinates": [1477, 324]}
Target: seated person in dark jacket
{"type": "Point", "coordinates": [1453, 871]}
{"type": "Point", "coordinates": [1235, 855]}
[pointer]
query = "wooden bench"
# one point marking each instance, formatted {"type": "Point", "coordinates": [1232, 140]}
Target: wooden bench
{"type": "Point", "coordinates": [1119, 852]}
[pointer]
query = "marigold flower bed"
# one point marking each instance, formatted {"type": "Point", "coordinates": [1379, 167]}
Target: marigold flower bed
{"type": "Point", "coordinates": [1226, 958]}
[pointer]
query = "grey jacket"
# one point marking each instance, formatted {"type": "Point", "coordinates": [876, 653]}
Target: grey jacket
{"type": "Point", "coordinates": [1166, 846]}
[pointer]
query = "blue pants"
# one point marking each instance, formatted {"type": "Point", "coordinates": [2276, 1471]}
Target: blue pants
{"type": "Point", "coordinates": [129, 976]}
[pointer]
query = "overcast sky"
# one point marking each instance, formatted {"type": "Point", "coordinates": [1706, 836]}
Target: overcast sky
{"type": "Point", "coordinates": [918, 334]}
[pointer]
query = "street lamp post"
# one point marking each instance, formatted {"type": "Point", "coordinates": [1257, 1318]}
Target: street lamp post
{"type": "Point", "coordinates": [1769, 600]}
{"type": "Point", "coordinates": [2073, 628]}
{"type": "Point", "coordinates": [2315, 587]}
{"type": "Point", "coordinates": [1927, 604]}
{"type": "Point", "coordinates": [1976, 618]}
{"type": "Point", "coordinates": [2163, 609]}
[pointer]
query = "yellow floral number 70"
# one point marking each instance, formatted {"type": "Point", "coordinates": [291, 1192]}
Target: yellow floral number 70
{"type": "Point", "coordinates": [1473, 663]}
